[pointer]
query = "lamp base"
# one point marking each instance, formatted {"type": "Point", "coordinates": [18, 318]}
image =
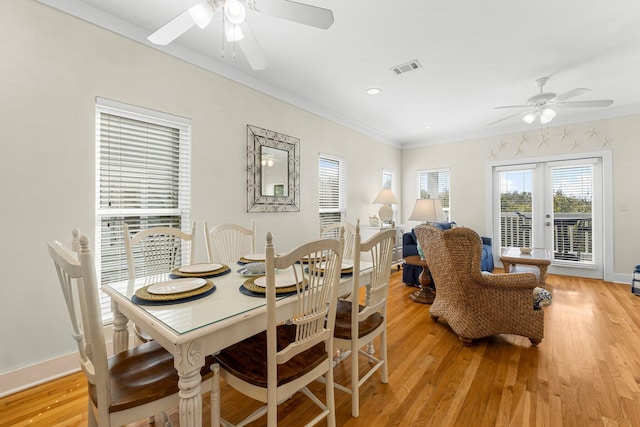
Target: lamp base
{"type": "Point", "coordinates": [386, 213]}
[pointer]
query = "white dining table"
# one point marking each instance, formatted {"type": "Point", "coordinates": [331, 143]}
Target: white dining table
{"type": "Point", "coordinates": [192, 330]}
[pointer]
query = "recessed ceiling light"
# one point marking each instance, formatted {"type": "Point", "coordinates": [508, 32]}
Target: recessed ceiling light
{"type": "Point", "coordinates": [373, 91]}
{"type": "Point", "coordinates": [427, 126]}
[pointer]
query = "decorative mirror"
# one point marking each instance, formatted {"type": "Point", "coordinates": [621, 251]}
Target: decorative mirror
{"type": "Point", "coordinates": [273, 171]}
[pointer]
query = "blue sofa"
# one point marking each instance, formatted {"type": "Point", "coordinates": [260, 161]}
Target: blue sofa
{"type": "Point", "coordinates": [411, 273]}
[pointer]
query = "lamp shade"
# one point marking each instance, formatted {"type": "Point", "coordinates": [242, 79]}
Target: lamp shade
{"type": "Point", "coordinates": [386, 197]}
{"type": "Point", "coordinates": [428, 210]}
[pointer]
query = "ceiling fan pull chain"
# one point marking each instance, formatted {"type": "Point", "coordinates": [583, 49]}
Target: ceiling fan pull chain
{"type": "Point", "coordinates": [234, 43]}
{"type": "Point", "coordinates": [223, 33]}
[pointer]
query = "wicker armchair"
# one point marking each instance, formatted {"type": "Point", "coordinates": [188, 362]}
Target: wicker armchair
{"type": "Point", "coordinates": [477, 304]}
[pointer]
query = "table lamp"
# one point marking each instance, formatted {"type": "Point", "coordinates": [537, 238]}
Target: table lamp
{"type": "Point", "coordinates": [428, 210]}
{"type": "Point", "coordinates": [386, 198]}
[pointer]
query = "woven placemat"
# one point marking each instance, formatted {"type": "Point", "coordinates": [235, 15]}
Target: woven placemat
{"type": "Point", "coordinates": [249, 293]}
{"type": "Point", "coordinates": [251, 286]}
{"type": "Point", "coordinates": [145, 295]}
{"type": "Point", "coordinates": [244, 260]}
{"type": "Point", "coordinates": [219, 272]}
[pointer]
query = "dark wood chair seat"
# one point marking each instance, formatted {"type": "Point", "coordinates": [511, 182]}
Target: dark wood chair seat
{"type": "Point", "coordinates": [134, 381]}
{"type": "Point", "coordinates": [247, 360]}
{"type": "Point", "coordinates": [343, 322]}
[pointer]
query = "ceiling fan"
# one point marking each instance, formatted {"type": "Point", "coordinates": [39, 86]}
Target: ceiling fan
{"type": "Point", "coordinates": [543, 105]}
{"type": "Point", "coordinates": [235, 27]}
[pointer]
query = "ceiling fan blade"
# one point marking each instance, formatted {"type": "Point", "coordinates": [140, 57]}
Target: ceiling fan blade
{"type": "Point", "coordinates": [199, 14]}
{"type": "Point", "coordinates": [297, 12]}
{"type": "Point", "coordinates": [572, 93]}
{"type": "Point", "coordinates": [251, 48]}
{"type": "Point", "coordinates": [172, 29]}
{"type": "Point", "coordinates": [511, 116]}
{"type": "Point", "coordinates": [512, 106]}
{"type": "Point", "coordinates": [583, 104]}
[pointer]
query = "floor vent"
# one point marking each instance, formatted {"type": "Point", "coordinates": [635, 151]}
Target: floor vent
{"type": "Point", "coordinates": [404, 68]}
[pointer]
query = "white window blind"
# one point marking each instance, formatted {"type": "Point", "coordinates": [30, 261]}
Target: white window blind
{"type": "Point", "coordinates": [434, 184]}
{"type": "Point", "coordinates": [387, 180]}
{"type": "Point", "coordinates": [332, 189]}
{"type": "Point", "coordinates": [143, 178]}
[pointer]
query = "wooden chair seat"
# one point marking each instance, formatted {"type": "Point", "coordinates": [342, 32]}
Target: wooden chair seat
{"type": "Point", "coordinates": [247, 360]}
{"type": "Point", "coordinates": [134, 381]}
{"type": "Point", "coordinates": [343, 321]}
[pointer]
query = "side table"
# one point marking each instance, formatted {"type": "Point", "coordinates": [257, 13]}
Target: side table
{"type": "Point", "coordinates": [538, 258]}
{"type": "Point", "coordinates": [425, 295]}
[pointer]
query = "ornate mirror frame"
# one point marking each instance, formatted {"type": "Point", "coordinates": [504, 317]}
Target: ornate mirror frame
{"type": "Point", "coordinates": [256, 201]}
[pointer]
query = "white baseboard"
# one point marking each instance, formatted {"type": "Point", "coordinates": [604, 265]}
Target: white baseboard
{"type": "Point", "coordinates": [23, 378]}
{"type": "Point", "coordinates": [30, 376]}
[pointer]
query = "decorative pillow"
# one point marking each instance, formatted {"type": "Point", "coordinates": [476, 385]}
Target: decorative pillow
{"type": "Point", "coordinates": [541, 298]}
{"type": "Point", "coordinates": [420, 252]}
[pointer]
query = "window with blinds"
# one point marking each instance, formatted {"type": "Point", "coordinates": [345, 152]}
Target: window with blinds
{"type": "Point", "coordinates": [434, 184]}
{"type": "Point", "coordinates": [387, 180]}
{"type": "Point", "coordinates": [143, 179]}
{"type": "Point", "coordinates": [332, 189]}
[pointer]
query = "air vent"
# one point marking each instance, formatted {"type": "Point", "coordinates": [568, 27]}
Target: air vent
{"type": "Point", "coordinates": [404, 68]}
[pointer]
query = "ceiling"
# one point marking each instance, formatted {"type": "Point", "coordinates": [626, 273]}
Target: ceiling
{"type": "Point", "coordinates": [475, 55]}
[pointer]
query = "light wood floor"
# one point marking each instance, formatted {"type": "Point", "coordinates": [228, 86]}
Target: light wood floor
{"type": "Point", "coordinates": [586, 372]}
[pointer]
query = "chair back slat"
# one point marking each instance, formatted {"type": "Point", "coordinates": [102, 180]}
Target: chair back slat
{"type": "Point", "coordinates": [380, 248]}
{"type": "Point", "coordinates": [316, 269]}
{"type": "Point", "coordinates": [332, 231]}
{"type": "Point", "coordinates": [226, 242]}
{"type": "Point", "coordinates": [156, 250]}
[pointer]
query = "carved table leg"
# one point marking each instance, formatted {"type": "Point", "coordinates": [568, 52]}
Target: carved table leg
{"type": "Point", "coordinates": [190, 399]}
{"type": "Point", "coordinates": [188, 362]}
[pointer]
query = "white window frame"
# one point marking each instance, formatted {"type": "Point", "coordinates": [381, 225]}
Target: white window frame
{"type": "Point", "coordinates": [340, 204]}
{"type": "Point", "coordinates": [389, 182]}
{"type": "Point", "coordinates": [446, 205]}
{"type": "Point", "coordinates": [182, 128]}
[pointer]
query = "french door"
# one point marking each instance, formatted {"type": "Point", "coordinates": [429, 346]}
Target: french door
{"type": "Point", "coordinates": [554, 205]}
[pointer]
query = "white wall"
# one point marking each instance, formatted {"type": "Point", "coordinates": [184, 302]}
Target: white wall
{"type": "Point", "coordinates": [53, 67]}
{"type": "Point", "coordinates": [470, 161]}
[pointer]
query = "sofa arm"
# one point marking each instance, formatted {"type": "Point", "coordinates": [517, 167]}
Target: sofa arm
{"type": "Point", "coordinates": [409, 244]}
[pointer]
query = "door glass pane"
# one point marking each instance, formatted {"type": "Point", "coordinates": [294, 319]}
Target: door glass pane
{"type": "Point", "coordinates": [572, 213]}
{"type": "Point", "coordinates": [516, 208]}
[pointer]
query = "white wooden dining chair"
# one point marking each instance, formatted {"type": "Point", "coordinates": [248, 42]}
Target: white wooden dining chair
{"type": "Point", "coordinates": [132, 385]}
{"type": "Point", "coordinates": [368, 317]}
{"type": "Point", "coordinates": [226, 242]}
{"type": "Point", "coordinates": [273, 365]}
{"type": "Point", "coordinates": [156, 250]}
{"type": "Point", "coordinates": [333, 230]}
{"type": "Point", "coordinates": [153, 251]}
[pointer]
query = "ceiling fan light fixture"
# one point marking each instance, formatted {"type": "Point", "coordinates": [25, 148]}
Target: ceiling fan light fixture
{"type": "Point", "coordinates": [201, 14]}
{"type": "Point", "coordinates": [529, 117]}
{"type": "Point", "coordinates": [234, 11]}
{"type": "Point", "coordinates": [233, 33]}
{"type": "Point", "coordinates": [547, 115]}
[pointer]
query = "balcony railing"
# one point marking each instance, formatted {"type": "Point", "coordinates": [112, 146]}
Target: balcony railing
{"type": "Point", "coordinates": [572, 234]}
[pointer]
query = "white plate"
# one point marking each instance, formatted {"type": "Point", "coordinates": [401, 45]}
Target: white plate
{"type": "Point", "coordinates": [282, 280]}
{"type": "Point", "coordinates": [255, 257]}
{"type": "Point", "coordinates": [199, 268]}
{"type": "Point", "coordinates": [176, 286]}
